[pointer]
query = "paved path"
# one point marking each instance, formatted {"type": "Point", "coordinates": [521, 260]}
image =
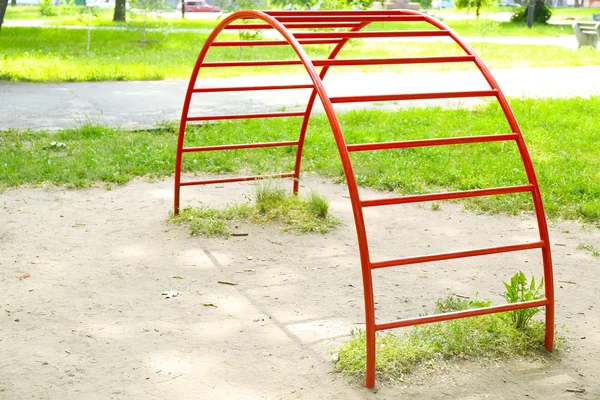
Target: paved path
{"type": "Point", "coordinates": [144, 104]}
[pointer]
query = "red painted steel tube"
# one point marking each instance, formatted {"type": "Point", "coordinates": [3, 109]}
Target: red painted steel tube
{"type": "Point", "coordinates": [408, 144]}
{"type": "Point", "coordinates": [392, 61]}
{"type": "Point", "coordinates": [238, 179]}
{"type": "Point", "coordinates": [352, 62]}
{"type": "Point", "coordinates": [366, 18]}
{"type": "Point", "coordinates": [310, 105]}
{"type": "Point", "coordinates": [250, 88]}
{"type": "Point", "coordinates": [278, 19]}
{"type": "Point", "coordinates": [360, 13]}
{"type": "Point", "coordinates": [461, 314]}
{"type": "Point", "coordinates": [527, 163]}
{"type": "Point", "coordinates": [237, 146]}
{"type": "Point", "coordinates": [413, 96]}
{"type": "Point", "coordinates": [252, 43]}
{"type": "Point", "coordinates": [454, 255]}
{"type": "Point", "coordinates": [245, 116]}
{"type": "Point", "coordinates": [418, 198]}
{"type": "Point", "coordinates": [368, 34]}
{"type": "Point", "coordinates": [297, 25]}
{"type": "Point", "coordinates": [265, 63]}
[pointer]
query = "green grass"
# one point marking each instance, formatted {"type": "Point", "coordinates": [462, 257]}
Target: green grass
{"type": "Point", "coordinates": [583, 13]}
{"type": "Point", "coordinates": [589, 247]}
{"type": "Point", "coordinates": [488, 337]}
{"type": "Point", "coordinates": [103, 17]}
{"type": "Point", "coordinates": [42, 55]}
{"type": "Point", "coordinates": [561, 135]}
{"type": "Point", "coordinates": [482, 27]}
{"type": "Point", "coordinates": [271, 203]}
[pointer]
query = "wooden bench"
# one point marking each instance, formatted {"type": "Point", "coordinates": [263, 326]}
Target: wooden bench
{"type": "Point", "coordinates": [587, 33]}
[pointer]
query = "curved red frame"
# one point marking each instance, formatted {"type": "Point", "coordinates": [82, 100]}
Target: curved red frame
{"type": "Point", "coordinates": [283, 21]}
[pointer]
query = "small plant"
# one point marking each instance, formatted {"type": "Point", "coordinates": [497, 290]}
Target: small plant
{"type": "Point", "coordinates": [47, 9]}
{"type": "Point", "coordinates": [271, 204]}
{"type": "Point", "coordinates": [589, 247]}
{"type": "Point", "coordinates": [435, 206]}
{"type": "Point", "coordinates": [318, 205]}
{"type": "Point", "coordinates": [55, 146]}
{"type": "Point", "coordinates": [489, 336]}
{"type": "Point", "coordinates": [519, 290]}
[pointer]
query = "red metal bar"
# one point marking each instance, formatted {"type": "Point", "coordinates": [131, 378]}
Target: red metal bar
{"type": "Point", "coordinates": [418, 198]}
{"type": "Point", "coordinates": [406, 144]}
{"type": "Point", "coordinates": [277, 19]}
{"type": "Point", "coordinates": [461, 314]}
{"type": "Point", "coordinates": [531, 176]}
{"type": "Point", "coordinates": [368, 34]}
{"type": "Point", "coordinates": [279, 13]}
{"type": "Point", "coordinates": [304, 25]}
{"type": "Point", "coordinates": [238, 179]}
{"type": "Point", "coordinates": [245, 116]}
{"type": "Point", "coordinates": [354, 62]}
{"type": "Point", "coordinates": [265, 63]}
{"type": "Point", "coordinates": [250, 88]}
{"type": "Point", "coordinates": [237, 146]}
{"type": "Point", "coordinates": [390, 61]}
{"type": "Point", "coordinates": [454, 255]}
{"type": "Point", "coordinates": [251, 43]}
{"type": "Point", "coordinates": [413, 96]}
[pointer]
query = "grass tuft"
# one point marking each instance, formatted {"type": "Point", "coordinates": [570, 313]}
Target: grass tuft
{"type": "Point", "coordinates": [487, 337]}
{"type": "Point", "coordinates": [271, 204]}
{"type": "Point", "coordinates": [589, 247]}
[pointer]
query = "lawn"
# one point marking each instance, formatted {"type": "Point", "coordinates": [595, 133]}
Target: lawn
{"type": "Point", "coordinates": [103, 17]}
{"type": "Point", "coordinates": [565, 147]}
{"type": "Point", "coordinates": [46, 55]}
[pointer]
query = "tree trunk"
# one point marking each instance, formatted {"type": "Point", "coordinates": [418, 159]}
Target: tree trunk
{"type": "Point", "coordinates": [3, 5]}
{"type": "Point", "coordinates": [531, 13]}
{"type": "Point", "coordinates": [13, 3]}
{"type": "Point", "coordinates": [119, 15]}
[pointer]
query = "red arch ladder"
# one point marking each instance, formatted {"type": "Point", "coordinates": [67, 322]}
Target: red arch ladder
{"type": "Point", "coordinates": [355, 21]}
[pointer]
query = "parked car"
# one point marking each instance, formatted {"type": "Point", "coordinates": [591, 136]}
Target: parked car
{"type": "Point", "coordinates": [198, 6]}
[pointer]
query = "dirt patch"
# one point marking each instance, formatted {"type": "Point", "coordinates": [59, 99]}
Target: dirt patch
{"type": "Point", "coordinates": [90, 321]}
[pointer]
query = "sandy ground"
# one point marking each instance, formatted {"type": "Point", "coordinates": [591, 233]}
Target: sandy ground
{"type": "Point", "coordinates": [90, 321]}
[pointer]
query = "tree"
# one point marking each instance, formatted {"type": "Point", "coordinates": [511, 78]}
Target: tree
{"type": "Point", "coordinates": [119, 15]}
{"type": "Point", "coordinates": [478, 4]}
{"type": "Point", "coordinates": [3, 6]}
{"type": "Point", "coordinates": [541, 13]}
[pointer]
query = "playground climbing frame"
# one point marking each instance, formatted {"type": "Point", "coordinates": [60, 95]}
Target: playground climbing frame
{"type": "Point", "coordinates": [340, 27]}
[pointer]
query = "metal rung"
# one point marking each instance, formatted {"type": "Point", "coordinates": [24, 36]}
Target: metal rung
{"type": "Point", "coordinates": [407, 144]}
{"type": "Point", "coordinates": [238, 146]}
{"type": "Point", "coordinates": [414, 96]}
{"type": "Point", "coordinates": [265, 63]}
{"type": "Point", "coordinates": [390, 61]}
{"type": "Point", "coordinates": [313, 25]}
{"type": "Point", "coordinates": [248, 88]}
{"type": "Point", "coordinates": [352, 62]}
{"type": "Point", "coordinates": [416, 198]}
{"type": "Point", "coordinates": [460, 314]}
{"type": "Point", "coordinates": [370, 34]}
{"type": "Point", "coordinates": [352, 18]}
{"type": "Point", "coordinates": [279, 13]}
{"type": "Point", "coordinates": [459, 254]}
{"type": "Point", "coordinates": [239, 179]}
{"type": "Point", "coordinates": [251, 43]}
{"type": "Point", "coordinates": [245, 116]}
